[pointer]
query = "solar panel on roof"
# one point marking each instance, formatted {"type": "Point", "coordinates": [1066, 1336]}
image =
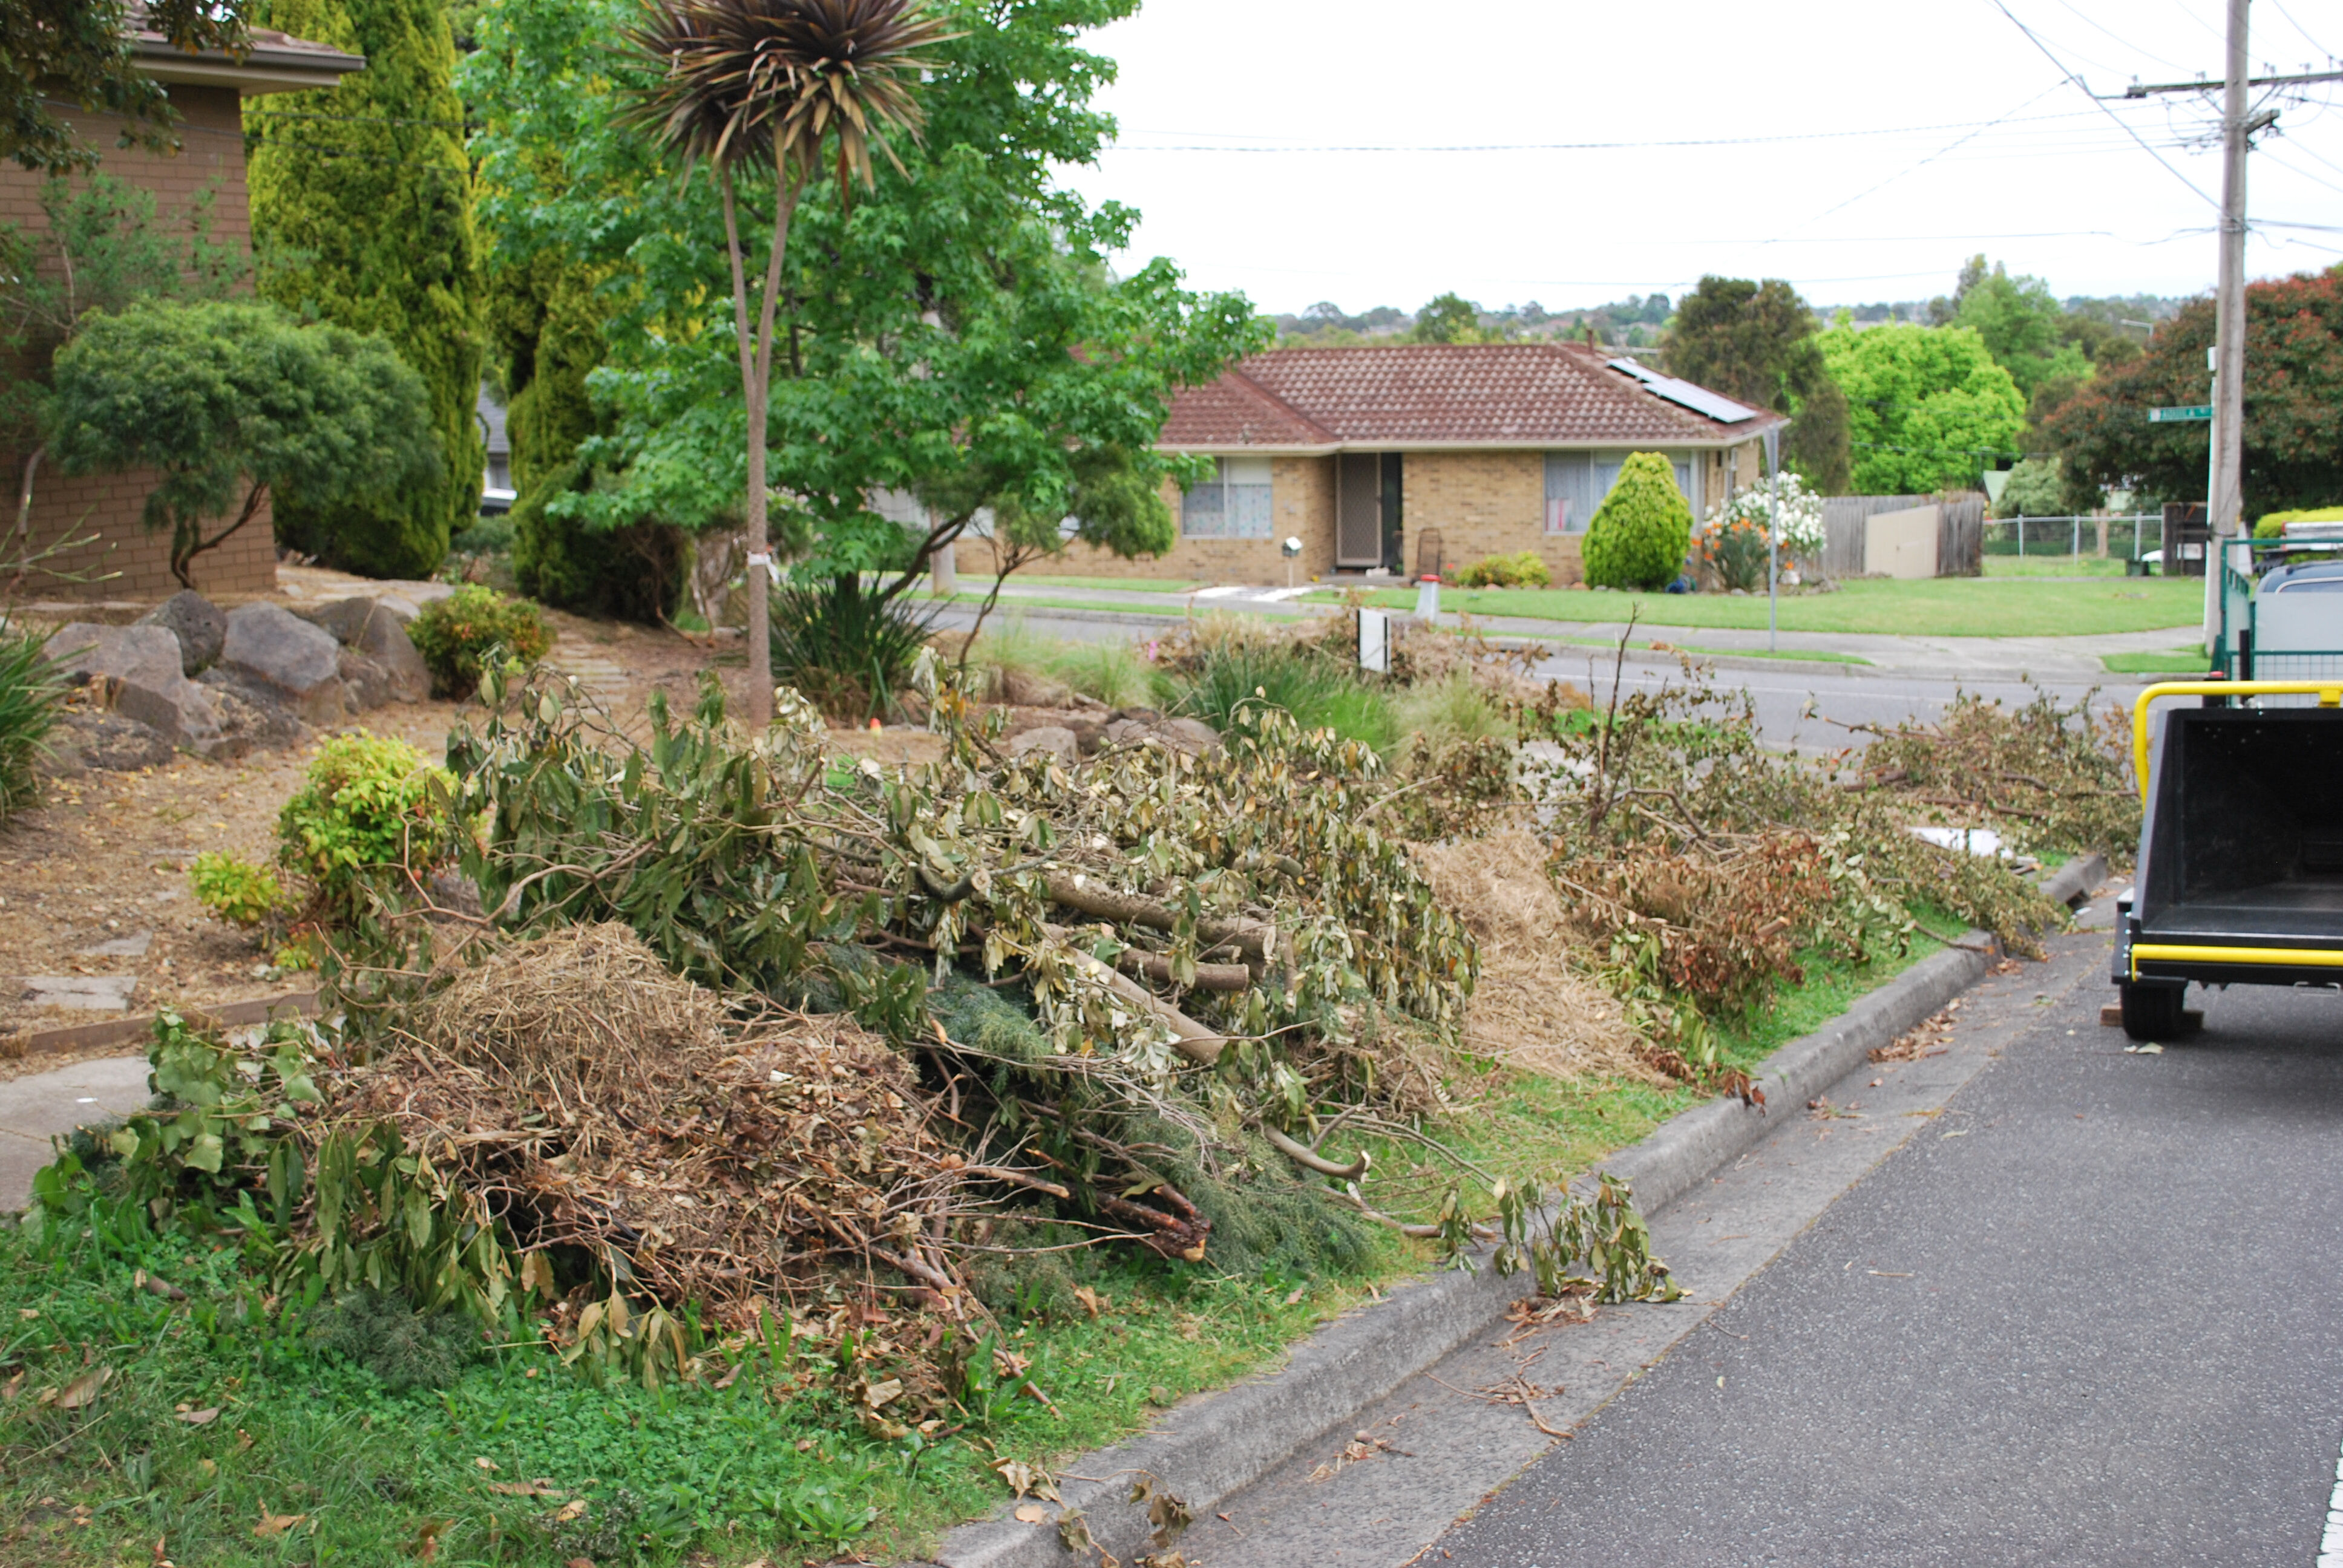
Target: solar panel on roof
{"type": "Point", "coordinates": [1699, 400]}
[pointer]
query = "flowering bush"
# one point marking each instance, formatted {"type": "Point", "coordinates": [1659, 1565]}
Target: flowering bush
{"type": "Point", "coordinates": [1733, 540]}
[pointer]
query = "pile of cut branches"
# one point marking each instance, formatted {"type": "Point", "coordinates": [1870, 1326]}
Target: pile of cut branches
{"type": "Point", "coordinates": [2045, 775]}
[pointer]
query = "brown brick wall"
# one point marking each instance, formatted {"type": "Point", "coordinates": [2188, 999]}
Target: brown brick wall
{"type": "Point", "coordinates": [1301, 493]}
{"type": "Point", "coordinates": [135, 563]}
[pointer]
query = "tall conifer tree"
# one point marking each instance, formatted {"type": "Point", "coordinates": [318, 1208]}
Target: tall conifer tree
{"type": "Point", "coordinates": [362, 215]}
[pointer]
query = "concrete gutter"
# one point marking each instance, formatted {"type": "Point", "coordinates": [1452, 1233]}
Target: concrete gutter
{"type": "Point", "coordinates": [1214, 1445]}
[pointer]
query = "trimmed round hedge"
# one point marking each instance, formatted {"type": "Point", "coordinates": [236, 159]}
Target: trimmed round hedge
{"type": "Point", "coordinates": [1639, 534]}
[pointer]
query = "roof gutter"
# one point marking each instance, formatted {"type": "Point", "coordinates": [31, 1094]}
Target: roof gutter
{"type": "Point", "coordinates": [268, 68]}
{"type": "Point", "coordinates": [1269, 449]}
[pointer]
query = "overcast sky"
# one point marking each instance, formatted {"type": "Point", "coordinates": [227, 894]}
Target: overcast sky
{"type": "Point", "coordinates": [1875, 147]}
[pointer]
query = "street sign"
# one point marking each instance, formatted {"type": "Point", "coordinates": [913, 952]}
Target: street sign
{"type": "Point", "coordinates": [2193, 413]}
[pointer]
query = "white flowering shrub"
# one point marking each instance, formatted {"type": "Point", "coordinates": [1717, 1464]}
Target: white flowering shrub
{"type": "Point", "coordinates": [1801, 515]}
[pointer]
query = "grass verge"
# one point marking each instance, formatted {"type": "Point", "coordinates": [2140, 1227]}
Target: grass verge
{"type": "Point", "coordinates": [2172, 661]}
{"type": "Point", "coordinates": [224, 1428]}
{"type": "Point", "coordinates": [1937, 606]}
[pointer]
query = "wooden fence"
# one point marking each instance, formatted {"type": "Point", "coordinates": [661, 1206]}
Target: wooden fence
{"type": "Point", "coordinates": [1960, 531]}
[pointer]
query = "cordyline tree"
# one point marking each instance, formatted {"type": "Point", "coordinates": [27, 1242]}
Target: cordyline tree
{"type": "Point", "coordinates": [953, 332]}
{"type": "Point", "coordinates": [2294, 403]}
{"type": "Point", "coordinates": [767, 85]}
{"type": "Point", "coordinates": [231, 403]}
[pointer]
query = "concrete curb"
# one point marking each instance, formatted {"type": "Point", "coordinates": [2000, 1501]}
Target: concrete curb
{"type": "Point", "coordinates": [1214, 1445]}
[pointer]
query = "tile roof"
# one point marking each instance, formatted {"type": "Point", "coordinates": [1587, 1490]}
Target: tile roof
{"type": "Point", "coordinates": [1439, 394]}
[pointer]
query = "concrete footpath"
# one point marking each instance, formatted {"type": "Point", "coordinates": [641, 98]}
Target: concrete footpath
{"type": "Point", "coordinates": [40, 1105]}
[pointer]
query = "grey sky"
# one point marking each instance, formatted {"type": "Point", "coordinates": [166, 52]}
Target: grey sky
{"type": "Point", "coordinates": [1962, 137]}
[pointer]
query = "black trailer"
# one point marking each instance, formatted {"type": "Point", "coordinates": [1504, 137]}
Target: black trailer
{"type": "Point", "coordinates": [2240, 870]}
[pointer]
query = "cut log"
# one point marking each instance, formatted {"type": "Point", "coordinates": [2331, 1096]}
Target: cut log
{"type": "Point", "coordinates": [1077, 891]}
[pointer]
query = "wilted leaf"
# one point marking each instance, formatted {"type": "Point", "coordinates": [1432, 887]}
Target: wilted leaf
{"type": "Point", "coordinates": [488, 1463]}
{"type": "Point", "coordinates": [275, 1523]}
{"type": "Point", "coordinates": [84, 1389]}
{"type": "Point", "coordinates": [574, 1508]}
{"type": "Point", "coordinates": [1030, 1514]}
{"type": "Point", "coordinates": [879, 1395]}
{"type": "Point", "coordinates": [1092, 1302]}
{"type": "Point", "coordinates": [200, 1417]}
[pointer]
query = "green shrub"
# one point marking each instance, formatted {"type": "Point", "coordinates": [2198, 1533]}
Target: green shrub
{"type": "Point", "coordinates": [2273, 525]}
{"type": "Point", "coordinates": [635, 573]}
{"type": "Point", "coordinates": [847, 648]}
{"type": "Point", "coordinates": [237, 891]}
{"type": "Point", "coordinates": [1737, 550]}
{"type": "Point", "coordinates": [1523, 569]}
{"type": "Point", "coordinates": [456, 635]}
{"type": "Point", "coordinates": [372, 810]}
{"type": "Point", "coordinates": [1638, 535]}
{"type": "Point", "coordinates": [29, 694]}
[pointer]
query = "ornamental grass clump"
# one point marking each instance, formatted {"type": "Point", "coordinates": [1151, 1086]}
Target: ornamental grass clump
{"type": "Point", "coordinates": [30, 695]}
{"type": "Point", "coordinates": [1637, 537]}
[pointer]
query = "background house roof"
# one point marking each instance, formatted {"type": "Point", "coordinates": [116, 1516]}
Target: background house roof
{"type": "Point", "coordinates": [1439, 394]}
{"type": "Point", "coordinates": [276, 63]}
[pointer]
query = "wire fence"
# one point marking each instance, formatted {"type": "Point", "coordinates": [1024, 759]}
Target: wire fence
{"type": "Point", "coordinates": [2122, 538]}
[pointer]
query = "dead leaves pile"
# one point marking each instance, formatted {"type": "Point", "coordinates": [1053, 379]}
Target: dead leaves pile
{"type": "Point", "coordinates": [1931, 1037]}
{"type": "Point", "coordinates": [597, 1101]}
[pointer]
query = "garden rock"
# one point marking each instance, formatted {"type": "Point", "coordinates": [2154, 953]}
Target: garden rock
{"type": "Point", "coordinates": [373, 630]}
{"type": "Point", "coordinates": [83, 739]}
{"type": "Point", "coordinates": [269, 643]}
{"type": "Point", "coordinates": [199, 625]}
{"type": "Point", "coordinates": [253, 715]}
{"type": "Point", "coordinates": [142, 673]}
{"type": "Point", "coordinates": [1023, 689]}
{"type": "Point", "coordinates": [1189, 735]}
{"type": "Point", "coordinates": [1054, 738]}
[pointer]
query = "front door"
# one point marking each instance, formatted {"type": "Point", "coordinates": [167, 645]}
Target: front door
{"type": "Point", "coordinates": [1358, 511]}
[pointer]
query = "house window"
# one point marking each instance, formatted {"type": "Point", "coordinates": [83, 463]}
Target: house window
{"type": "Point", "coordinates": [1233, 504]}
{"type": "Point", "coordinates": [1577, 483]}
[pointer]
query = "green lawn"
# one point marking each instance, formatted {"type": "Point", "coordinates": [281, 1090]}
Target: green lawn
{"type": "Point", "coordinates": [1807, 656]}
{"type": "Point", "coordinates": [2053, 566]}
{"type": "Point", "coordinates": [2173, 661]}
{"type": "Point", "coordinates": [1937, 607]}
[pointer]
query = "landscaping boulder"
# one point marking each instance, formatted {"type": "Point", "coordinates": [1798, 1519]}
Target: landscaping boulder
{"type": "Point", "coordinates": [142, 672]}
{"type": "Point", "coordinates": [390, 670]}
{"type": "Point", "coordinates": [1054, 738]}
{"type": "Point", "coordinates": [253, 715]}
{"type": "Point", "coordinates": [1189, 735]}
{"type": "Point", "coordinates": [199, 625]}
{"type": "Point", "coordinates": [1024, 689]}
{"type": "Point", "coordinates": [83, 739]}
{"type": "Point", "coordinates": [301, 663]}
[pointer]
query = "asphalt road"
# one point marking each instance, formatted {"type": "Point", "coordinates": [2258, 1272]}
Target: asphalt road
{"type": "Point", "coordinates": [2090, 1316]}
{"type": "Point", "coordinates": [1795, 703]}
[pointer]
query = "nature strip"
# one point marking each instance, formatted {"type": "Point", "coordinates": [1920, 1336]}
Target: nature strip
{"type": "Point", "coordinates": [141, 1026]}
{"type": "Point", "coordinates": [1209, 1451]}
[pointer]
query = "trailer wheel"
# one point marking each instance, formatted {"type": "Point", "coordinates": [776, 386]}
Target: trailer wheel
{"type": "Point", "coordinates": [2151, 1011]}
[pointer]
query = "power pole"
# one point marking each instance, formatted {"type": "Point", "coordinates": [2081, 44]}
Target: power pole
{"type": "Point", "coordinates": [2226, 503]}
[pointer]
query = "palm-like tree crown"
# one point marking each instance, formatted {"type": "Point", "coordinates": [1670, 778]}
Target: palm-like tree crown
{"type": "Point", "coordinates": [753, 80]}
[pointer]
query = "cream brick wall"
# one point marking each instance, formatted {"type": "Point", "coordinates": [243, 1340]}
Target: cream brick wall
{"type": "Point", "coordinates": [1483, 503]}
{"type": "Point", "coordinates": [134, 563]}
{"type": "Point", "coordinates": [1302, 498]}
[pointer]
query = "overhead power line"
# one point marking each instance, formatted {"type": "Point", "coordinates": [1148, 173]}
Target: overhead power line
{"type": "Point", "coordinates": [2086, 92]}
{"type": "Point", "coordinates": [1568, 147]}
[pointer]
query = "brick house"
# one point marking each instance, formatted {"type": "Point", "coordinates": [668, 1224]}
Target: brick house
{"type": "Point", "coordinates": [1372, 455]}
{"type": "Point", "coordinates": [207, 91]}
